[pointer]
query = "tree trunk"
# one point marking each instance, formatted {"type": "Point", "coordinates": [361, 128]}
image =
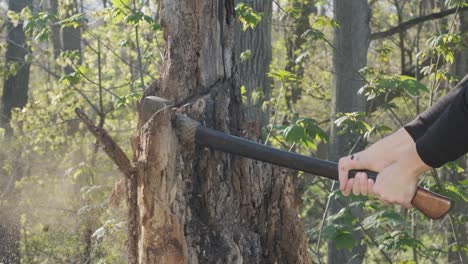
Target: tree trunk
{"type": "Point", "coordinates": [197, 205]}
{"type": "Point", "coordinates": [55, 36]}
{"type": "Point", "coordinates": [15, 94]}
{"type": "Point", "coordinates": [461, 57]}
{"type": "Point", "coordinates": [15, 87]}
{"type": "Point", "coordinates": [71, 37]}
{"type": "Point", "coordinates": [350, 55]}
{"type": "Point", "coordinates": [295, 46]}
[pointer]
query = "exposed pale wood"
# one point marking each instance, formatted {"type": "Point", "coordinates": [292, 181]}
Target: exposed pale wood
{"type": "Point", "coordinates": [204, 206]}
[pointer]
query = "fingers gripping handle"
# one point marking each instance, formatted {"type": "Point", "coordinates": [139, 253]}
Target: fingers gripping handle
{"type": "Point", "coordinates": [431, 204]}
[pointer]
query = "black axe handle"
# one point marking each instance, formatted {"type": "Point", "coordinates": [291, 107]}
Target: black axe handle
{"type": "Point", "coordinates": [430, 204]}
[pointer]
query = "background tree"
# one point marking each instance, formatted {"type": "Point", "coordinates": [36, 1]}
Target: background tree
{"type": "Point", "coordinates": [15, 95]}
{"type": "Point", "coordinates": [15, 87]}
{"type": "Point", "coordinates": [349, 56]}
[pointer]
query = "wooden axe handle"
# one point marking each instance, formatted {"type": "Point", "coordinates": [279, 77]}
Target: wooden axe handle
{"type": "Point", "coordinates": [189, 131]}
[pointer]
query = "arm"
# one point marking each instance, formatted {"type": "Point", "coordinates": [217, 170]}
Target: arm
{"type": "Point", "coordinates": [388, 150]}
{"type": "Point", "coordinates": [419, 126]}
{"type": "Point", "coordinates": [447, 138]}
{"type": "Point", "coordinates": [444, 140]}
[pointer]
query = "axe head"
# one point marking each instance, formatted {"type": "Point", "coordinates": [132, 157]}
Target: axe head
{"type": "Point", "coordinates": [153, 104]}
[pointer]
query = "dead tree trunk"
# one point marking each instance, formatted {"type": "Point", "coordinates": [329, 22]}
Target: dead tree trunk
{"type": "Point", "coordinates": [197, 205]}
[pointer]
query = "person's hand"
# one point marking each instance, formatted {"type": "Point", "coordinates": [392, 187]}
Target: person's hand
{"type": "Point", "coordinates": [375, 158]}
{"type": "Point", "coordinates": [359, 184]}
{"type": "Point", "coordinates": [397, 183]}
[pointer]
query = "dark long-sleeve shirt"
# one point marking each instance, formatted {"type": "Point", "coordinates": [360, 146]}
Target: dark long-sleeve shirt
{"type": "Point", "coordinates": [441, 132]}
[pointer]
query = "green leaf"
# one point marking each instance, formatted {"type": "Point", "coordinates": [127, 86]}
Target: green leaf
{"type": "Point", "coordinates": [247, 16]}
{"type": "Point", "coordinates": [134, 18]}
{"type": "Point", "coordinates": [14, 17]}
{"type": "Point", "coordinates": [454, 191]}
{"type": "Point", "coordinates": [128, 99]}
{"type": "Point", "coordinates": [398, 240]}
{"type": "Point", "coordinates": [330, 231]}
{"type": "Point", "coordinates": [454, 166]}
{"type": "Point", "coordinates": [293, 133]}
{"type": "Point", "coordinates": [344, 239]}
{"type": "Point", "coordinates": [313, 34]}
{"type": "Point", "coordinates": [70, 54]}
{"type": "Point", "coordinates": [83, 70]}
{"type": "Point", "coordinates": [282, 75]}
{"type": "Point", "coordinates": [324, 21]}
{"type": "Point", "coordinates": [243, 91]}
{"type": "Point", "coordinates": [353, 123]}
{"type": "Point", "coordinates": [70, 79]}
{"type": "Point", "coordinates": [43, 35]}
{"type": "Point", "coordinates": [257, 95]}
{"type": "Point", "coordinates": [245, 55]}
{"type": "Point", "coordinates": [74, 21]}
{"type": "Point", "coordinates": [383, 218]}
{"type": "Point", "coordinates": [121, 3]}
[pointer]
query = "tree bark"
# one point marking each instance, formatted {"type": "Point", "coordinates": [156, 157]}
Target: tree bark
{"type": "Point", "coordinates": [15, 86]}
{"type": "Point", "coordinates": [71, 37]}
{"type": "Point", "coordinates": [295, 46]}
{"type": "Point", "coordinates": [351, 42]}
{"type": "Point", "coordinates": [461, 57]}
{"type": "Point", "coordinates": [15, 94]}
{"type": "Point", "coordinates": [55, 36]}
{"type": "Point", "coordinates": [197, 205]}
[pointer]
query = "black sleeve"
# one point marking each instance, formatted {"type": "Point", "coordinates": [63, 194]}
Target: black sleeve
{"type": "Point", "coordinates": [446, 139]}
{"type": "Point", "coordinates": [419, 126]}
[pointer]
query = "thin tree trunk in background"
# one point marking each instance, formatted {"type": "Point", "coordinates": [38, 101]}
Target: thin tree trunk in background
{"type": "Point", "coordinates": [71, 37]}
{"type": "Point", "coordinates": [55, 36]}
{"type": "Point", "coordinates": [15, 94]}
{"type": "Point", "coordinates": [197, 205]}
{"type": "Point", "coordinates": [461, 57]}
{"type": "Point", "coordinates": [15, 86]}
{"type": "Point", "coordinates": [295, 47]}
{"type": "Point", "coordinates": [70, 40]}
{"type": "Point", "coordinates": [351, 42]}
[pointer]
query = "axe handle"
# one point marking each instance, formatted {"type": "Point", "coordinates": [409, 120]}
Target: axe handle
{"type": "Point", "coordinates": [430, 204]}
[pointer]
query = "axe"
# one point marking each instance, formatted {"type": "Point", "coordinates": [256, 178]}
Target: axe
{"type": "Point", "coordinates": [189, 131]}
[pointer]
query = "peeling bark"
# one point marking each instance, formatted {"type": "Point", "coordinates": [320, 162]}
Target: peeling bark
{"type": "Point", "coordinates": [197, 205]}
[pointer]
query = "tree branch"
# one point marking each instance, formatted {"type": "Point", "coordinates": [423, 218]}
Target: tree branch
{"type": "Point", "coordinates": [111, 148]}
{"type": "Point", "coordinates": [416, 21]}
{"type": "Point", "coordinates": [117, 155]}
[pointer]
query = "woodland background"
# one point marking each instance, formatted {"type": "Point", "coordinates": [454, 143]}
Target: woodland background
{"type": "Point", "coordinates": [60, 194]}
